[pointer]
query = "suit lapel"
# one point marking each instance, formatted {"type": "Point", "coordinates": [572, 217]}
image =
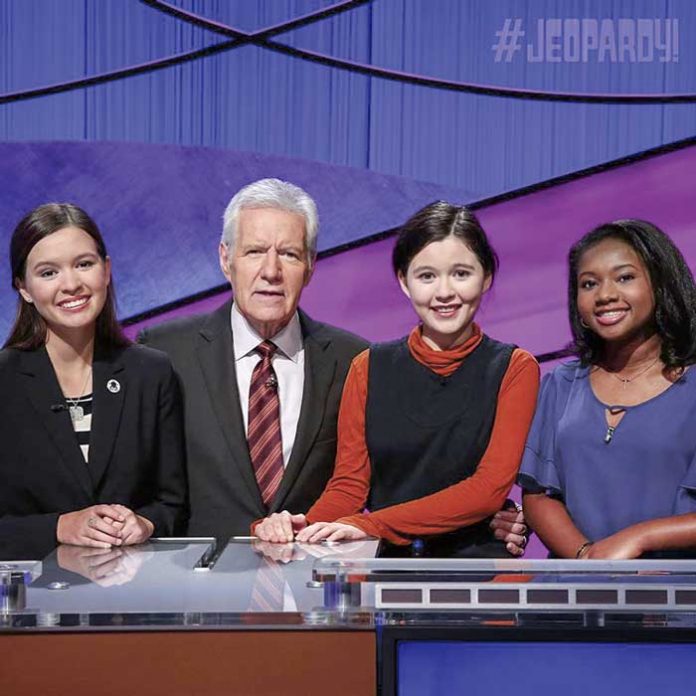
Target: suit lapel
{"type": "Point", "coordinates": [43, 391]}
{"type": "Point", "coordinates": [319, 369]}
{"type": "Point", "coordinates": [109, 386]}
{"type": "Point", "coordinates": [215, 353]}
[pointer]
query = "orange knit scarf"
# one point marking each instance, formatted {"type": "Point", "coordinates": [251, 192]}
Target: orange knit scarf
{"type": "Point", "coordinates": [442, 362]}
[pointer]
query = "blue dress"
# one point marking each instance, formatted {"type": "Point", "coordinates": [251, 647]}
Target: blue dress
{"type": "Point", "coordinates": [646, 471]}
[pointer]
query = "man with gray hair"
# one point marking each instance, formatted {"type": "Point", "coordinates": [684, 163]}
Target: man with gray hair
{"type": "Point", "coordinates": [262, 381]}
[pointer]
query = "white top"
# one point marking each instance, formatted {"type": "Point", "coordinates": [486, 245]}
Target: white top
{"type": "Point", "coordinates": [82, 424]}
{"type": "Point", "coordinates": [288, 363]}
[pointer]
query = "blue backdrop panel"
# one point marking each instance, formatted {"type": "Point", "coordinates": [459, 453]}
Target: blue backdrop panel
{"type": "Point", "coordinates": [160, 207]}
{"type": "Point", "coordinates": [251, 98]}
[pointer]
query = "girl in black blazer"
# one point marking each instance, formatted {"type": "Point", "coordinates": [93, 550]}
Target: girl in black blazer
{"type": "Point", "coordinates": [91, 444]}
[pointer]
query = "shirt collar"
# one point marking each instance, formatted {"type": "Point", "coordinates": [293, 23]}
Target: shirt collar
{"type": "Point", "coordinates": [246, 339]}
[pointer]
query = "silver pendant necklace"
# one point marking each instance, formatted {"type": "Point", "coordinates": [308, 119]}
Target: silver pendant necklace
{"type": "Point", "coordinates": [77, 413]}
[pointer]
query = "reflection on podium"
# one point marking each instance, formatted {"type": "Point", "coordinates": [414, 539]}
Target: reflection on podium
{"type": "Point", "coordinates": [105, 567]}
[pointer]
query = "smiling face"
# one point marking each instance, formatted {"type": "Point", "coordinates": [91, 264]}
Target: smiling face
{"type": "Point", "coordinates": [615, 298]}
{"type": "Point", "coordinates": [445, 283]}
{"type": "Point", "coordinates": [66, 280]}
{"type": "Point", "coordinates": [267, 267]}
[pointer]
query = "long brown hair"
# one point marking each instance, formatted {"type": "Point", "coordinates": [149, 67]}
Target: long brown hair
{"type": "Point", "coordinates": [29, 329]}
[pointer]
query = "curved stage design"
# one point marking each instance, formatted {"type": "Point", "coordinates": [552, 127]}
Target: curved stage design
{"type": "Point", "coordinates": [532, 231]}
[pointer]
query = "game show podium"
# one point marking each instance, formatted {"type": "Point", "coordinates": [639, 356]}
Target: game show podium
{"type": "Point", "coordinates": [185, 616]}
{"type": "Point", "coordinates": [478, 627]}
{"type": "Point", "coordinates": [178, 616]}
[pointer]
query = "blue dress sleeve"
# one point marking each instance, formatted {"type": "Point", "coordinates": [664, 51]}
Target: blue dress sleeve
{"type": "Point", "coordinates": [539, 470]}
{"type": "Point", "coordinates": [686, 495]}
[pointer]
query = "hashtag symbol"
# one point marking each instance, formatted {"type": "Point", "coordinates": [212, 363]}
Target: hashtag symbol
{"type": "Point", "coordinates": [508, 40]}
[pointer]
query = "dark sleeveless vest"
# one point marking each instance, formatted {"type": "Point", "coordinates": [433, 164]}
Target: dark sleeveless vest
{"type": "Point", "coordinates": [425, 432]}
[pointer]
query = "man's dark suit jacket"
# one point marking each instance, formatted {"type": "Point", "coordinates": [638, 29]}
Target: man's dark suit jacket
{"type": "Point", "coordinates": [136, 453]}
{"type": "Point", "coordinates": [224, 496]}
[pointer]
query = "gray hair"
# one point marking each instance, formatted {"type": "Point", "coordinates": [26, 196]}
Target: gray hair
{"type": "Point", "coordinates": [273, 193]}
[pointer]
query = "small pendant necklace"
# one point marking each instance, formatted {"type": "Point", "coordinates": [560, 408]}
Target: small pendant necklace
{"type": "Point", "coordinates": [77, 413]}
{"type": "Point", "coordinates": [625, 381]}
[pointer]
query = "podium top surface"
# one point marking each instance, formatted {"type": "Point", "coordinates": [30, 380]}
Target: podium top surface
{"type": "Point", "coordinates": [194, 584]}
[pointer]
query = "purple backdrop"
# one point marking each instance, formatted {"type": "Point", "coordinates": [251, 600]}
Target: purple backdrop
{"type": "Point", "coordinates": [532, 234]}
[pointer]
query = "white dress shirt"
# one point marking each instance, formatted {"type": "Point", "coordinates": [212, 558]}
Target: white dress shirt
{"type": "Point", "coordinates": [288, 363]}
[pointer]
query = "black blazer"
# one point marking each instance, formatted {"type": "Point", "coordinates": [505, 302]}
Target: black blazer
{"type": "Point", "coordinates": [224, 497]}
{"type": "Point", "coordinates": [136, 453]}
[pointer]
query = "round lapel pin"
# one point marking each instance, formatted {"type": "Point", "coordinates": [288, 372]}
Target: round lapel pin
{"type": "Point", "coordinates": [114, 386]}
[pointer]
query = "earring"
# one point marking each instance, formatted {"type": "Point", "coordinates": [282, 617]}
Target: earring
{"type": "Point", "coordinates": [583, 324]}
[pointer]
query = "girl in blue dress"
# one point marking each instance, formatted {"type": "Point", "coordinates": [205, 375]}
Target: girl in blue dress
{"type": "Point", "coordinates": [609, 469]}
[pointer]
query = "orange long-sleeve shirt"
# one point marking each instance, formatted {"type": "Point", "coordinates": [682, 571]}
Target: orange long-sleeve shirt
{"type": "Point", "coordinates": [465, 503]}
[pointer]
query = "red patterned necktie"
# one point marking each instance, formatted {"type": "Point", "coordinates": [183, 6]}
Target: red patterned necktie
{"type": "Point", "coordinates": [263, 434]}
